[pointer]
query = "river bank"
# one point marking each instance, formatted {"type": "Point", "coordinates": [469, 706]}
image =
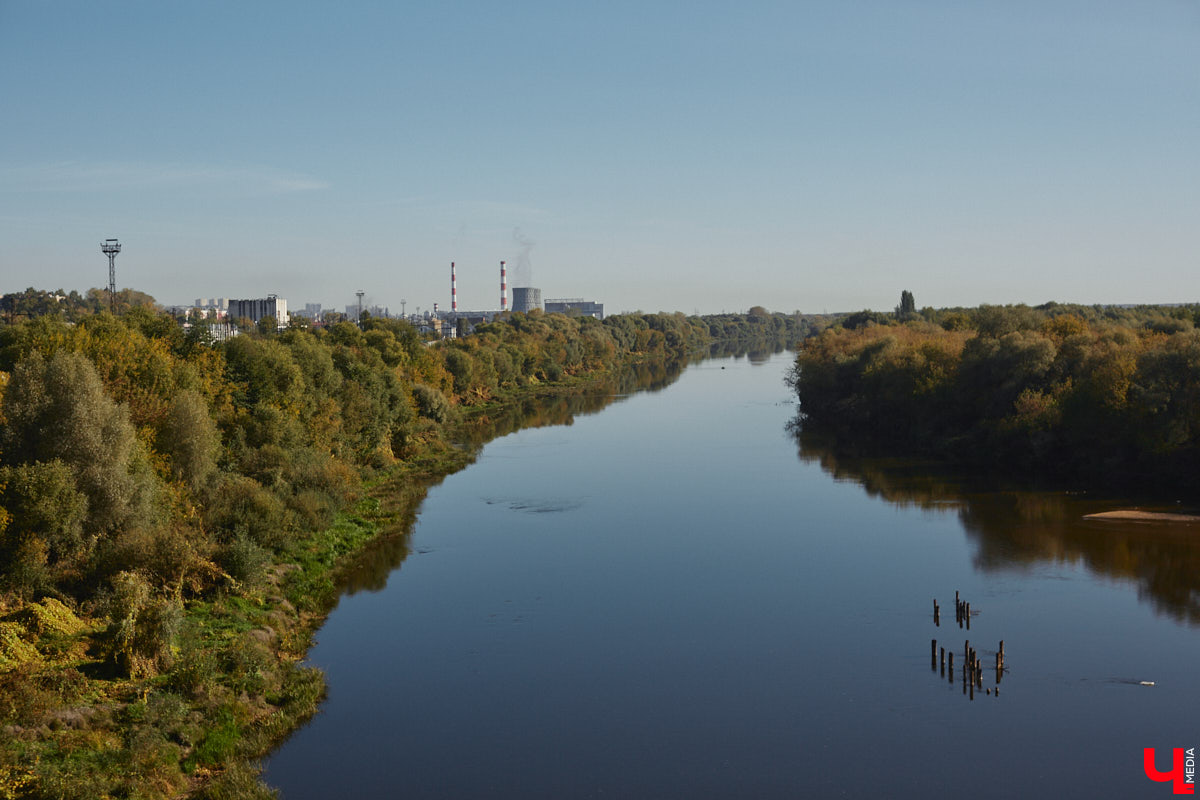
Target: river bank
{"type": "Point", "coordinates": [237, 685]}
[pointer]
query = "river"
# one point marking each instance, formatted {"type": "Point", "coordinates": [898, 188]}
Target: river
{"type": "Point", "coordinates": [672, 598]}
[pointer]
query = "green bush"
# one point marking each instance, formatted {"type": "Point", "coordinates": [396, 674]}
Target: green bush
{"type": "Point", "coordinates": [143, 630]}
{"type": "Point", "coordinates": [245, 561]}
{"type": "Point", "coordinates": [246, 666]}
{"type": "Point", "coordinates": [44, 503]}
{"type": "Point", "coordinates": [238, 504]}
{"type": "Point", "coordinates": [194, 669]}
{"type": "Point", "coordinates": [220, 741]}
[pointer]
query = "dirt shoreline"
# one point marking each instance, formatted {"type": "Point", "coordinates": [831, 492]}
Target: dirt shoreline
{"type": "Point", "coordinates": [1134, 515]}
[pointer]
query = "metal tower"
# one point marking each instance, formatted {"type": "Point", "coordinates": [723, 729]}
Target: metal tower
{"type": "Point", "coordinates": [110, 248]}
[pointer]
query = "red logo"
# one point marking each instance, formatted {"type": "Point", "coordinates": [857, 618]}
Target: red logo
{"type": "Point", "coordinates": [1183, 769]}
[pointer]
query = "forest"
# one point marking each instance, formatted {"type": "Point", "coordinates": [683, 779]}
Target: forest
{"type": "Point", "coordinates": [173, 512]}
{"type": "Point", "coordinates": [1094, 396]}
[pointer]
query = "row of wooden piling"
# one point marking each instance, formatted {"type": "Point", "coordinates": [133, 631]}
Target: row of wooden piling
{"type": "Point", "coordinates": [962, 612]}
{"type": "Point", "coordinates": [972, 667]}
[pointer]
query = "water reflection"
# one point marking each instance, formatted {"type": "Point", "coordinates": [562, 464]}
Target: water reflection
{"type": "Point", "coordinates": [371, 567]}
{"type": "Point", "coordinates": [561, 409]}
{"type": "Point", "coordinates": [758, 351]}
{"type": "Point", "coordinates": [1019, 528]}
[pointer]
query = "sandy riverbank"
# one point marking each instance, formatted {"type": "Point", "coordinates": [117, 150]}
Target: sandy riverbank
{"type": "Point", "coordinates": [1134, 515]}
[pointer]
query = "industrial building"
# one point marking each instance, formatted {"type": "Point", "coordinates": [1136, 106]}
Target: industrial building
{"type": "Point", "coordinates": [222, 331]}
{"type": "Point", "coordinates": [575, 306]}
{"type": "Point", "coordinates": [524, 299]}
{"type": "Point", "coordinates": [219, 304]}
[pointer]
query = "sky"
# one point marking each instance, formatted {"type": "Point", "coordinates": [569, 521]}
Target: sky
{"type": "Point", "coordinates": [701, 156]}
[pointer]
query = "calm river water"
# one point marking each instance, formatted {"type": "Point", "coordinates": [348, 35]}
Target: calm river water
{"type": "Point", "coordinates": [673, 599]}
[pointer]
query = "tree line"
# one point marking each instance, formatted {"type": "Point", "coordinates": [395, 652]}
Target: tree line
{"type": "Point", "coordinates": [1108, 395]}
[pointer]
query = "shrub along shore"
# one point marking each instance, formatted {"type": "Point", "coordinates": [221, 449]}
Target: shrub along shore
{"type": "Point", "coordinates": [174, 514]}
{"type": "Point", "coordinates": [1099, 396]}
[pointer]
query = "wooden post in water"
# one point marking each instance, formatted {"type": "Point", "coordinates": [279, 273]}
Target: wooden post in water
{"type": "Point", "coordinates": [967, 614]}
{"type": "Point", "coordinates": [933, 655]}
{"type": "Point", "coordinates": [937, 618]}
{"type": "Point", "coordinates": [943, 660]}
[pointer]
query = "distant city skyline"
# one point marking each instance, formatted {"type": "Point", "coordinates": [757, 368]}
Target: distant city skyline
{"type": "Point", "coordinates": [710, 156]}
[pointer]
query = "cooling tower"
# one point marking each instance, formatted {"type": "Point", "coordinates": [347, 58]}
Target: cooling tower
{"type": "Point", "coordinates": [526, 299]}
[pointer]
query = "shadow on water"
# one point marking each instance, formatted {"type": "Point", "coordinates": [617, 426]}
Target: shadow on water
{"type": "Point", "coordinates": [371, 567]}
{"type": "Point", "coordinates": [1015, 527]}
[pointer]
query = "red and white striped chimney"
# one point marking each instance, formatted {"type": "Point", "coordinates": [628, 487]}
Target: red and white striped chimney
{"type": "Point", "coordinates": [453, 290]}
{"type": "Point", "coordinates": [503, 288]}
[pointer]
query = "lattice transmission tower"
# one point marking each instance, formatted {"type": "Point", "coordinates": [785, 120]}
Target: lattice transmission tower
{"type": "Point", "coordinates": [110, 248]}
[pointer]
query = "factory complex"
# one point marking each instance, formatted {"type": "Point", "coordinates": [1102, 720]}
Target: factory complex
{"type": "Point", "coordinates": [223, 311]}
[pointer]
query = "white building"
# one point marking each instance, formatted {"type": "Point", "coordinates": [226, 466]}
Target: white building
{"type": "Point", "coordinates": [220, 304]}
{"type": "Point", "coordinates": [254, 310]}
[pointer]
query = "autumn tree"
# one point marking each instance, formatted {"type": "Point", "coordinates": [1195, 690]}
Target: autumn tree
{"type": "Point", "coordinates": [46, 529]}
{"type": "Point", "coordinates": [58, 409]}
{"type": "Point", "coordinates": [190, 438]}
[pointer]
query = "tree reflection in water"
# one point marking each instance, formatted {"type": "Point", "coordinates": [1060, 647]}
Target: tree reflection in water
{"type": "Point", "coordinates": [1019, 527]}
{"type": "Point", "coordinates": [371, 567]}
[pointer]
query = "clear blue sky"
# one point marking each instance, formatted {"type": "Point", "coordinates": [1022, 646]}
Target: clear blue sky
{"type": "Point", "coordinates": [685, 156]}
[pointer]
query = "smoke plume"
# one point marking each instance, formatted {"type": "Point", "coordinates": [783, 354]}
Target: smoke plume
{"type": "Point", "coordinates": [522, 270]}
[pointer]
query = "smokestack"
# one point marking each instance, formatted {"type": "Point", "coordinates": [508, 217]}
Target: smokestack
{"type": "Point", "coordinates": [503, 288]}
{"type": "Point", "coordinates": [453, 290]}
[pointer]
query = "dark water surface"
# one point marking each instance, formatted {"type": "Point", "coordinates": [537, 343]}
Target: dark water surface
{"type": "Point", "coordinates": [664, 600]}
